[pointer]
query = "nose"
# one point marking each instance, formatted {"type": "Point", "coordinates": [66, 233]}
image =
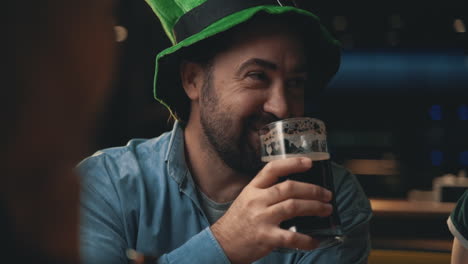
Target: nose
{"type": "Point", "coordinates": [277, 102]}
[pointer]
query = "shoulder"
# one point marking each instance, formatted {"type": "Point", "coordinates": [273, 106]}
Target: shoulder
{"type": "Point", "coordinates": [345, 180]}
{"type": "Point", "coordinates": [458, 221]}
{"type": "Point", "coordinates": [460, 213]}
{"type": "Point", "coordinates": [353, 205]}
{"type": "Point", "coordinates": [129, 161]}
{"type": "Point", "coordinates": [462, 203]}
{"type": "Point", "coordinates": [134, 147]}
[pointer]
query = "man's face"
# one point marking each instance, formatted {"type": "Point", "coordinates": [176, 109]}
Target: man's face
{"type": "Point", "coordinates": [260, 79]}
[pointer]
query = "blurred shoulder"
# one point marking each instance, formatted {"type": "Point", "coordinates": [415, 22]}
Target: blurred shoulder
{"type": "Point", "coordinates": [351, 197]}
{"type": "Point", "coordinates": [339, 169]}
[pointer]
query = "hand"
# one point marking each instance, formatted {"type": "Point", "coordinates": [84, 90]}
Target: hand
{"type": "Point", "coordinates": [250, 230]}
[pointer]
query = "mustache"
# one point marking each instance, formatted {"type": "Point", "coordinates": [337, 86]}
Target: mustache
{"type": "Point", "coordinates": [260, 120]}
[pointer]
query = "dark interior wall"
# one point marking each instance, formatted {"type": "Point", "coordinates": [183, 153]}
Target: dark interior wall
{"type": "Point", "coordinates": [401, 90]}
{"type": "Point", "coordinates": [132, 111]}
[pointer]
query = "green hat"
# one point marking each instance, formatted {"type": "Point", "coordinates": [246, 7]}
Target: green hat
{"type": "Point", "coordinates": [187, 22]}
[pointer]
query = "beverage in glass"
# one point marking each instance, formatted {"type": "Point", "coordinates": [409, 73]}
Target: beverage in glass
{"type": "Point", "coordinates": [305, 137]}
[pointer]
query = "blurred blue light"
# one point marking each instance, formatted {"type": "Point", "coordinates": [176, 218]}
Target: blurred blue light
{"type": "Point", "coordinates": [463, 112]}
{"type": "Point", "coordinates": [435, 112]}
{"type": "Point", "coordinates": [407, 71]}
{"type": "Point", "coordinates": [464, 158]}
{"type": "Point", "coordinates": [437, 157]}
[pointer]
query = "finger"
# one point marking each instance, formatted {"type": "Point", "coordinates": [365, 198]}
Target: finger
{"type": "Point", "coordinates": [295, 207]}
{"type": "Point", "coordinates": [288, 239]}
{"type": "Point", "coordinates": [296, 190]}
{"type": "Point", "coordinates": [270, 174]}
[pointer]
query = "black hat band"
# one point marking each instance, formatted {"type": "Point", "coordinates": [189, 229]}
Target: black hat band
{"type": "Point", "coordinates": [211, 11]}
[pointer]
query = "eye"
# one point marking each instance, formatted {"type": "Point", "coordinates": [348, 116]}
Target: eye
{"type": "Point", "coordinates": [257, 76]}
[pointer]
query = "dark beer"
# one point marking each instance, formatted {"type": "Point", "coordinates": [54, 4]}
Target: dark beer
{"type": "Point", "coordinates": [318, 227]}
{"type": "Point", "coordinates": [304, 137]}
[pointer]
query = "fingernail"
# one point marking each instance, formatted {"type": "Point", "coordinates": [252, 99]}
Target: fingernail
{"type": "Point", "coordinates": [329, 207]}
{"type": "Point", "coordinates": [306, 161]}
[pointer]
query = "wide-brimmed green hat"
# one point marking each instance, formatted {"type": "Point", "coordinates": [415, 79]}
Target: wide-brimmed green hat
{"type": "Point", "coordinates": [187, 22]}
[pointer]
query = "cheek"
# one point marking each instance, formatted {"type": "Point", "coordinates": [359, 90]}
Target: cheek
{"type": "Point", "coordinates": [245, 104]}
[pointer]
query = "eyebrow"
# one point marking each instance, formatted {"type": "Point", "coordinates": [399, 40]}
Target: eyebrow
{"type": "Point", "coordinates": [267, 64]}
{"type": "Point", "coordinates": [259, 62]}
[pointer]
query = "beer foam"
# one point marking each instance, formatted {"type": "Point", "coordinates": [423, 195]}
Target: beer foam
{"type": "Point", "coordinates": [312, 155]}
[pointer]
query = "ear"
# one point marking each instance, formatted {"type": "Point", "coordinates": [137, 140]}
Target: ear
{"type": "Point", "coordinates": [192, 77]}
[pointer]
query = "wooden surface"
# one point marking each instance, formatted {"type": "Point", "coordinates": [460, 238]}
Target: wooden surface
{"type": "Point", "coordinates": [407, 257]}
{"type": "Point", "coordinates": [382, 207]}
{"type": "Point", "coordinates": [411, 226]}
{"type": "Point", "coordinates": [436, 245]}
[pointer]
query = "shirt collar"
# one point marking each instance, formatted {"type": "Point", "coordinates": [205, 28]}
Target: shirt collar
{"type": "Point", "coordinates": [175, 155]}
{"type": "Point", "coordinates": [176, 165]}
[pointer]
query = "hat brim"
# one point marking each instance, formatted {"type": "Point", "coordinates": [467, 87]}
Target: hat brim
{"type": "Point", "coordinates": [167, 87]}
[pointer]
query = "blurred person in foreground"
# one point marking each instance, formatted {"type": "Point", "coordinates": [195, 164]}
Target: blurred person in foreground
{"type": "Point", "coordinates": [458, 226]}
{"type": "Point", "coordinates": [200, 194]}
{"type": "Point", "coordinates": [57, 58]}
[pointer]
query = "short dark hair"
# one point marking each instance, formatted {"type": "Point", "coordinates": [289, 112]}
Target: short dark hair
{"type": "Point", "coordinates": [202, 53]}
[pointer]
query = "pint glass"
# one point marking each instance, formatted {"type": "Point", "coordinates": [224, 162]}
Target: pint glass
{"type": "Point", "coordinates": [305, 137]}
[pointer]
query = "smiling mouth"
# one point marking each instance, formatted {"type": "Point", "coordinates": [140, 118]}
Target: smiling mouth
{"type": "Point", "coordinates": [253, 133]}
{"type": "Point", "coordinates": [258, 121]}
{"type": "Point", "coordinates": [254, 139]}
{"type": "Point", "coordinates": [258, 126]}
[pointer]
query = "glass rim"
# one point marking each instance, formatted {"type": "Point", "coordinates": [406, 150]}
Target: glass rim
{"type": "Point", "coordinates": [290, 119]}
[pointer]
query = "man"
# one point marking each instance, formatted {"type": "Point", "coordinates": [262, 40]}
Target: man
{"type": "Point", "coordinates": [199, 194]}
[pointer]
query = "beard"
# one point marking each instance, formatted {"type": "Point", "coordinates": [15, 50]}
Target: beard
{"type": "Point", "coordinates": [236, 149]}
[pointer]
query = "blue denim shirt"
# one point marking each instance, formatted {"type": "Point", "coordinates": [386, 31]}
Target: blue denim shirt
{"type": "Point", "coordinates": [142, 196]}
